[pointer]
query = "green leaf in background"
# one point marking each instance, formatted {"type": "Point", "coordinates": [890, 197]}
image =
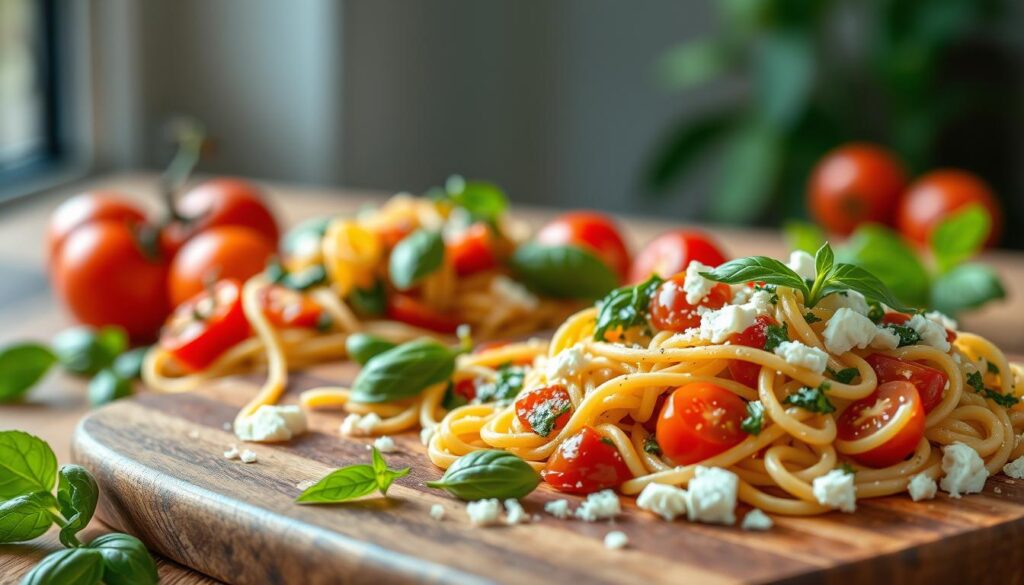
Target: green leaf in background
{"type": "Point", "coordinates": [27, 464]}
{"type": "Point", "coordinates": [960, 236]}
{"type": "Point", "coordinates": [753, 154]}
{"type": "Point", "coordinates": [694, 63]}
{"type": "Point", "coordinates": [305, 238]}
{"type": "Point", "coordinates": [369, 302]}
{"type": "Point", "coordinates": [363, 346]}
{"type": "Point", "coordinates": [77, 495]}
{"type": "Point", "coordinates": [125, 560]}
{"type": "Point", "coordinates": [21, 366]}
{"type": "Point", "coordinates": [488, 474]}
{"type": "Point", "coordinates": [403, 371]}
{"type": "Point", "coordinates": [484, 201]}
{"type": "Point", "coordinates": [72, 566]}
{"type": "Point", "coordinates": [107, 386]}
{"type": "Point", "coordinates": [563, 271]}
{"type": "Point", "coordinates": [966, 287]}
{"type": "Point", "coordinates": [84, 351]}
{"type": "Point", "coordinates": [417, 255]}
{"type": "Point", "coordinates": [625, 308]}
{"type": "Point", "coordinates": [783, 63]}
{"type": "Point", "coordinates": [687, 143]}
{"type": "Point", "coordinates": [802, 235]}
{"type": "Point", "coordinates": [883, 252]}
{"type": "Point", "coordinates": [506, 385]}
{"type": "Point", "coordinates": [128, 365]}
{"type": "Point", "coordinates": [25, 517]}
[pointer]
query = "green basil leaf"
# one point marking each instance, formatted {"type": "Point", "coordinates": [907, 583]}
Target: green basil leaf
{"type": "Point", "coordinates": [25, 517]}
{"type": "Point", "coordinates": [306, 278]}
{"type": "Point", "coordinates": [967, 286]}
{"type": "Point", "coordinates": [824, 260]}
{"type": "Point", "coordinates": [775, 335]}
{"type": "Point", "coordinates": [625, 308]}
{"type": "Point", "coordinates": [125, 560]}
{"type": "Point", "coordinates": [77, 495]}
{"type": "Point", "coordinates": [754, 422]}
{"type": "Point", "coordinates": [416, 256]}
{"type": "Point", "coordinates": [107, 386]}
{"type": "Point", "coordinates": [850, 277]}
{"type": "Point", "coordinates": [128, 365]}
{"type": "Point", "coordinates": [21, 366]}
{"type": "Point", "coordinates": [505, 387]}
{"type": "Point", "coordinates": [846, 375]}
{"type": "Point", "coordinates": [885, 254]}
{"type": "Point", "coordinates": [369, 302]}
{"type": "Point", "coordinates": [488, 474]}
{"type": "Point", "coordinates": [812, 399]}
{"type": "Point", "coordinates": [341, 485]}
{"type": "Point", "coordinates": [85, 351]}
{"type": "Point", "coordinates": [403, 371]}
{"type": "Point", "coordinates": [960, 236]}
{"type": "Point", "coordinates": [27, 464]}
{"type": "Point", "coordinates": [71, 566]}
{"type": "Point", "coordinates": [801, 235]}
{"type": "Point", "coordinates": [562, 271]}
{"type": "Point", "coordinates": [484, 201]}
{"type": "Point", "coordinates": [757, 269]}
{"type": "Point", "coordinates": [305, 237]}
{"type": "Point", "coordinates": [385, 476]}
{"type": "Point", "coordinates": [363, 346]}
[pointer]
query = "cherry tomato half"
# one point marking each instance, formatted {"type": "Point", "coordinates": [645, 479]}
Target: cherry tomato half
{"type": "Point", "coordinates": [670, 311]}
{"type": "Point", "coordinates": [754, 336]}
{"type": "Point", "coordinates": [700, 420]}
{"type": "Point", "coordinates": [223, 202]}
{"type": "Point", "coordinates": [854, 184]}
{"type": "Point", "coordinates": [930, 382]}
{"type": "Point", "coordinates": [939, 193]}
{"type": "Point", "coordinates": [472, 250]}
{"type": "Point", "coordinates": [584, 463]}
{"type": "Point", "coordinates": [218, 253]}
{"type": "Point", "coordinates": [878, 413]}
{"type": "Point", "coordinates": [466, 389]}
{"type": "Point", "coordinates": [672, 252]}
{"type": "Point", "coordinates": [89, 208]}
{"type": "Point", "coordinates": [285, 307]}
{"type": "Point", "coordinates": [591, 230]}
{"type": "Point", "coordinates": [545, 410]}
{"type": "Point", "coordinates": [409, 309]}
{"type": "Point", "coordinates": [205, 326]}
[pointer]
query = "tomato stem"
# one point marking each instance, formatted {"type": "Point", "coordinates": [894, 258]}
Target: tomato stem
{"type": "Point", "coordinates": [190, 136]}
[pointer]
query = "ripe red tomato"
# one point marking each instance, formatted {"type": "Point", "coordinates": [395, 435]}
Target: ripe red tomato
{"type": "Point", "coordinates": [584, 463]}
{"type": "Point", "coordinates": [672, 252]}
{"type": "Point", "coordinates": [545, 410]}
{"type": "Point", "coordinates": [285, 307]}
{"type": "Point", "coordinates": [670, 311]}
{"type": "Point", "coordinates": [223, 202]}
{"type": "Point", "coordinates": [854, 184]}
{"type": "Point", "coordinates": [875, 414]}
{"type": "Point", "coordinates": [754, 336]}
{"type": "Point", "coordinates": [219, 253]}
{"type": "Point", "coordinates": [205, 326]}
{"type": "Point", "coordinates": [939, 193]}
{"type": "Point", "coordinates": [409, 309]}
{"type": "Point", "coordinates": [930, 383]}
{"type": "Point", "coordinates": [466, 389]}
{"type": "Point", "coordinates": [105, 277]}
{"type": "Point", "coordinates": [700, 420]}
{"type": "Point", "coordinates": [89, 208]}
{"type": "Point", "coordinates": [591, 230]}
{"type": "Point", "coordinates": [472, 250]}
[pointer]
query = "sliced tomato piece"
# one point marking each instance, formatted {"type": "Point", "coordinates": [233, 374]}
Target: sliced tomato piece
{"type": "Point", "coordinates": [930, 382]}
{"type": "Point", "coordinates": [545, 410]}
{"type": "Point", "coordinates": [670, 311]}
{"type": "Point", "coordinates": [754, 336]}
{"type": "Point", "coordinates": [700, 420]}
{"type": "Point", "coordinates": [584, 463]}
{"type": "Point", "coordinates": [472, 250]}
{"type": "Point", "coordinates": [205, 326]}
{"type": "Point", "coordinates": [285, 307]}
{"type": "Point", "coordinates": [893, 403]}
{"type": "Point", "coordinates": [409, 309]}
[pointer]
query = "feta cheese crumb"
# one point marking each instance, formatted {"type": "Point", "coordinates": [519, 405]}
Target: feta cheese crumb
{"type": "Point", "coordinates": [231, 453]}
{"type": "Point", "coordinates": [437, 512]}
{"type": "Point", "coordinates": [248, 456]}
{"type": "Point", "coordinates": [964, 470]}
{"type": "Point", "coordinates": [385, 444]}
{"type": "Point", "coordinates": [922, 487]}
{"type": "Point", "coordinates": [667, 501]}
{"type": "Point", "coordinates": [803, 356]}
{"type": "Point", "coordinates": [836, 490]}
{"type": "Point", "coordinates": [712, 496]}
{"type": "Point", "coordinates": [514, 513]}
{"type": "Point", "coordinates": [426, 433]}
{"type": "Point", "coordinates": [558, 508]}
{"type": "Point", "coordinates": [568, 362]}
{"type": "Point", "coordinates": [272, 423]}
{"type": "Point", "coordinates": [1015, 468]}
{"type": "Point", "coordinates": [885, 338]}
{"type": "Point", "coordinates": [848, 299]}
{"type": "Point", "coordinates": [931, 332]}
{"type": "Point", "coordinates": [513, 292]}
{"type": "Point", "coordinates": [484, 512]}
{"type": "Point", "coordinates": [717, 326]}
{"type": "Point", "coordinates": [696, 286]}
{"type": "Point", "coordinates": [803, 264]}
{"type": "Point", "coordinates": [615, 540]}
{"type": "Point", "coordinates": [942, 320]}
{"type": "Point", "coordinates": [757, 520]}
{"type": "Point", "coordinates": [848, 329]}
{"type": "Point", "coordinates": [602, 505]}
{"type": "Point", "coordinates": [356, 425]}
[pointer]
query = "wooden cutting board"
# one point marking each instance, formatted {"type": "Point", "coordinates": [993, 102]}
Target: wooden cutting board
{"type": "Point", "coordinates": [164, 478]}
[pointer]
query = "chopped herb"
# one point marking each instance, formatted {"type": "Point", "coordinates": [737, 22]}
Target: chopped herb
{"type": "Point", "coordinates": [755, 418]}
{"type": "Point", "coordinates": [875, 311]}
{"type": "Point", "coordinates": [811, 317]}
{"type": "Point", "coordinates": [299, 280]}
{"type": "Point", "coordinates": [847, 468]}
{"type": "Point", "coordinates": [774, 335]}
{"type": "Point", "coordinates": [452, 399]}
{"type": "Point", "coordinates": [975, 381]}
{"type": "Point", "coordinates": [992, 368]}
{"type": "Point", "coordinates": [324, 322]}
{"type": "Point", "coordinates": [542, 418]}
{"type": "Point", "coordinates": [907, 335]}
{"type": "Point", "coordinates": [770, 289]}
{"type": "Point", "coordinates": [812, 399]}
{"type": "Point", "coordinates": [844, 376]}
{"type": "Point", "coordinates": [504, 388]}
{"type": "Point", "coordinates": [607, 441]}
{"type": "Point", "coordinates": [651, 446]}
{"type": "Point", "coordinates": [625, 308]}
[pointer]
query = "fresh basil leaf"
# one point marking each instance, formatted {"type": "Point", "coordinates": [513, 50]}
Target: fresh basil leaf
{"type": "Point", "coordinates": [775, 335]}
{"type": "Point", "coordinates": [385, 476]}
{"type": "Point", "coordinates": [403, 371]}
{"type": "Point", "coordinates": [757, 269]}
{"type": "Point", "coordinates": [488, 474]}
{"type": "Point", "coordinates": [562, 271]}
{"type": "Point", "coordinates": [306, 278]}
{"type": "Point", "coordinates": [801, 235]}
{"type": "Point", "coordinates": [975, 380]}
{"type": "Point", "coordinates": [846, 375]}
{"type": "Point", "coordinates": [106, 387]}
{"type": "Point", "coordinates": [341, 485]}
{"type": "Point", "coordinates": [754, 422]}
{"type": "Point", "coordinates": [625, 308]}
{"type": "Point", "coordinates": [884, 253]}
{"type": "Point", "coordinates": [305, 237]}
{"type": "Point", "coordinates": [125, 560]}
{"type": "Point", "coordinates": [505, 387]}
{"type": "Point", "coordinates": [907, 335]}
{"type": "Point", "coordinates": [85, 351]}
{"type": "Point", "coordinates": [416, 256]}
{"type": "Point", "coordinates": [824, 260]}
{"type": "Point", "coordinates": [25, 517]}
{"type": "Point", "coordinates": [128, 365]}
{"type": "Point", "coordinates": [27, 464]}
{"type": "Point", "coordinates": [369, 302]}
{"type": "Point", "coordinates": [77, 495]}
{"type": "Point", "coordinates": [967, 286]}
{"type": "Point", "coordinates": [363, 346]}
{"type": "Point", "coordinates": [849, 277]}
{"type": "Point", "coordinates": [875, 312]}
{"type": "Point", "coordinates": [484, 201]}
{"type": "Point", "coordinates": [651, 445]}
{"type": "Point", "coordinates": [960, 236]}
{"type": "Point", "coordinates": [71, 566]}
{"type": "Point", "coordinates": [812, 399]}
{"type": "Point", "coordinates": [21, 366]}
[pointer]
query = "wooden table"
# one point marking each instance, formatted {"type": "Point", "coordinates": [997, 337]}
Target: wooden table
{"type": "Point", "coordinates": [28, 311]}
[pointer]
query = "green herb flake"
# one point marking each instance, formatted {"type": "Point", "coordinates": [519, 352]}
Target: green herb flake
{"type": "Point", "coordinates": [992, 368]}
{"type": "Point", "coordinates": [543, 417]}
{"type": "Point", "coordinates": [847, 468]}
{"type": "Point", "coordinates": [811, 317]}
{"type": "Point", "coordinates": [844, 376]}
{"type": "Point", "coordinates": [754, 422]}
{"type": "Point", "coordinates": [625, 308]}
{"type": "Point", "coordinates": [651, 446]}
{"type": "Point", "coordinates": [775, 335]}
{"type": "Point", "coordinates": [505, 387]}
{"type": "Point", "coordinates": [812, 399]}
{"type": "Point", "coordinates": [977, 382]}
{"type": "Point", "coordinates": [907, 335]}
{"type": "Point", "coordinates": [875, 312]}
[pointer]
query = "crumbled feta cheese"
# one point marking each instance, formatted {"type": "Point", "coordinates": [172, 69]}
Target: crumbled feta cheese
{"type": "Point", "coordinates": [757, 520]}
{"type": "Point", "coordinates": [231, 453]}
{"type": "Point", "coordinates": [741, 293]}
{"type": "Point", "coordinates": [922, 487]}
{"type": "Point", "coordinates": [847, 299]}
{"type": "Point", "coordinates": [557, 508]}
{"type": "Point", "coordinates": [513, 292]}
{"type": "Point", "coordinates": [717, 326]}
{"type": "Point", "coordinates": [566, 363]}
{"type": "Point", "coordinates": [385, 444]}
{"type": "Point", "coordinates": [885, 338]}
{"type": "Point", "coordinates": [356, 425]}
{"type": "Point", "coordinates": [437, 512]}
{"type": "Point", "coordinates": [847, 330]}
{"type": "Point", "coordinates": [615, 540]}
{"type": "Point", "coordinates": [248, 456]}
{"type": "Point", "coordinates": [836, 490]}
{"type": "Point", "coordinates": [712, 496]}
{"type": "Point", "coordinates": [803, 356]}
{"type": "Point", "coordinates": [602, 505]}
{"type": "Point", "coordinates": [514, 512]}
{"type": "Point", "coordinates": [667, 501]}
{"type": "Point", "coordinates": [803, 264]}
{"type": "Point", "coordinates": [931, 332]}
{"type": "Point", "coordinates": [964, 470]}
{"type": "Point", "coordinates": [484, 512]}
{"type": "Point", "coordinates": [426, 433]}
{"type": "Point", "coordinates": [272, 423]}
{"type": "Point", "coordinates": [1015, 468]}
{"type": "Point", "coordinates": [227, 426]}
{"type": "Point", "coordinates": [696, 286]}
{"type": "Point", "coordinates": [942, 320]}
{"type": "Point", "coordinates": [760, 301]}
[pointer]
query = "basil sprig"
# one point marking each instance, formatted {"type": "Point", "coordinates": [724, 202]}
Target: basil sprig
{"type": "Point", "coordinates": [625, 308]}
{"type": "Point", "coordinates": [419, 254]}
{"type": "Point", "coordinates": [362, 347]}
{"type": "Point", "coordinates": [354, 481]}
{"type": "Point", "coordinates": [404, 371]}
{"type": "Point", "coordinates": [488, 474]}
{"type": "Point", "coordinates": [566, 272]}
{"type": "Point", "coordinates": [832, 277]}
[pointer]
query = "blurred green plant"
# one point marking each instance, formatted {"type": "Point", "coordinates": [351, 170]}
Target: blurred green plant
{"type": "Point", "coordinates": [819, 73]}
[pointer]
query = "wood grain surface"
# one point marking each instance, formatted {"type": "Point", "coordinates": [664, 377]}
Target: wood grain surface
{"type": "Point", "coordinates": [159, 460]}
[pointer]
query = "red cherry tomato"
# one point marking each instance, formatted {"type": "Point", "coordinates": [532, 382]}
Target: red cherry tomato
{"type": "Point", "coordinates": [584, 463]}
{"type": "Point", "coordinates": [670, 311]}
{"type": "Point", "coordinates": [409, 309]}
{"type": "Point", "coordinates": [545, 410]}
{"type": "Point", "coordinates": [205, 326]}
{"type": "Point", "coordinates": [105, 277]}
{"type": "Point", "coordinates": [930, 383]}
{"type": "Point", "coordinates": [223, 202]}
{"type": "Point", "coordinates": [938, 194]}
{"type": "Point", "coordinates": [892, 318]}
{"type": "Point", "coordinates": [222, 252]}
{"type": "Point", "coordinates": [466, 389]}
{"type": "Point", "coordinates": [877, 413]}
{"type": "Point", "coordinates": [672, 252]}
{"type": "Point", "coordinates": [854, 184]}
{"type": "Point", "coordinates": [472, 250]}
{"type": "Point", "coordinates": [754, 336]}
{"type": "Point", "coordinates": [591, 230]}
{"type": "Point", "coordinates": [89, 208]}
{"type": "Point", "coordinates": [285, 307]}
{"type": "Point", "coordinates": [700, 420]}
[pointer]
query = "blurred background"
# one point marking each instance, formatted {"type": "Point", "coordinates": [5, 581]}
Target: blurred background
{"type": "Point", "coordinates": [691, 110]}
